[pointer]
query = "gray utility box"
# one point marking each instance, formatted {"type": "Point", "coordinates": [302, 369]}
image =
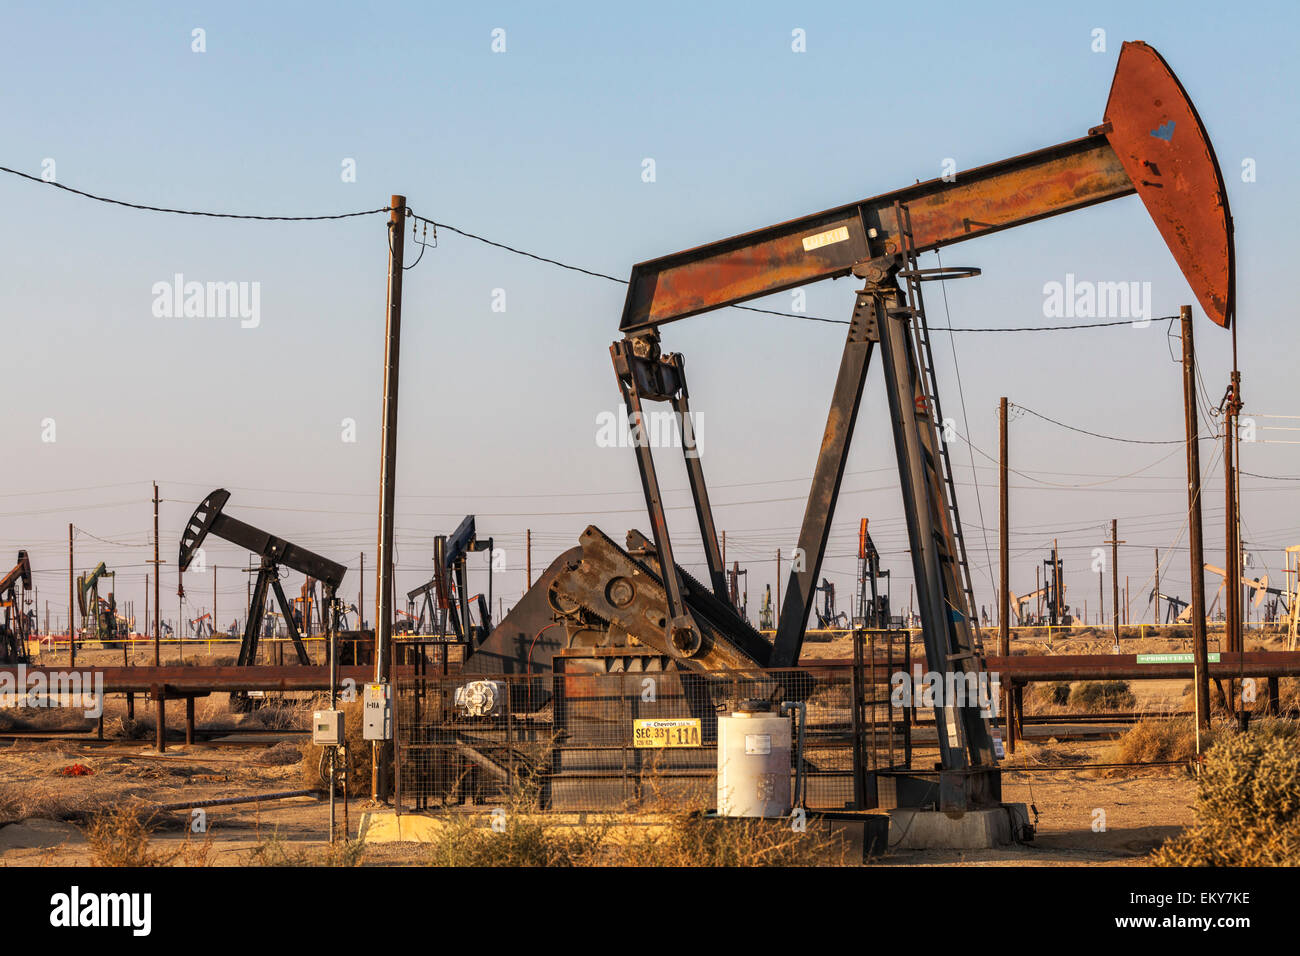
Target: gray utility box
{"type": "Point", "coordinates": [377, 711]}
{"type": "Point", "coordinates": [327, 728]}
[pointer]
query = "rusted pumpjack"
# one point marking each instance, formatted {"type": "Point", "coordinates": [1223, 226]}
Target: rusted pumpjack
{"type": "Point", "coordinates": [1151, 143]}
{"type": "Point", "coordinates": [274, 553]}
{"type": "Point", "coordinates": [14, 628]}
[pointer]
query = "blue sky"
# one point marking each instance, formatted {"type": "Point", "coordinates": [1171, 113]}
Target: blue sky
{"type": "Point", "coordinates": [542, 147]}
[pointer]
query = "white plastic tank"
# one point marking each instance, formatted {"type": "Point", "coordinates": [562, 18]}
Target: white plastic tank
{"type": "Point", "coordinates": [754, 762]}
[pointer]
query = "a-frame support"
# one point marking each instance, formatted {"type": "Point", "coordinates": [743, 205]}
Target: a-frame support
{"type": "Point", "coordinates": [268, 577]}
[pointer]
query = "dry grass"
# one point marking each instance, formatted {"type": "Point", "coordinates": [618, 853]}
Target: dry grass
{"type": "Point", "coordinates": [57, 798]}
{"type": "Point", "coordinates": [1174, 738]}
{"type": "Point", "coordinates": [1247, 803]}
{"type": "Point", "coordinates": [1046, 698]}
{"type": "Point", "coordinates": [1102, 695]}
{"type": "Point", "coordinates": [1155, 740]}
{"type": "Point", "coordinates": [275, 851]}
{"type": "Point", "coordinates": [121, 837]}
{"type": "Point", "coordinates": [683, 837]}
{"type": "Point", "coordinates": [693, 839]}
{"type": "Point", "coordinates": [1035, 754]}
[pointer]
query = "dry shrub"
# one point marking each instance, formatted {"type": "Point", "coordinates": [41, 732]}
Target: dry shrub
{"type": "Point", "coordinates": [121, 837]}
{"type": "Point", "coordinates": [283, 714]}
{"type": "Point", "coordinates": [129, 729]}
{"type": "Point", "coordinates": [694, 839]}
{"type": "Point", "coordinates": [1030, 754]}
{"type": "Point", "coordinates": [1100, 695]}
{"type": "Point", "coordinates": [356, 754]}
{"type": "Point", "coordinates": [515, 834]}
{"type": "Point", "coordinates": [520, 839]}
{"type": "Point", "coordinates": [281, 754]}
{"type": "Point", "coordinates": [1247, 804]}
{"type": "Point", "coordinates": [275, 851]}
{"type": "Point", "coordinates": [1154, 740]}
{"type": "Point", "coordinates": [1043, 697]}
{"type": "Point", "coordinates": [684, 837]}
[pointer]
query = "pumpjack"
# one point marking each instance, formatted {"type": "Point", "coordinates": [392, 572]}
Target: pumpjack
{"type": "Point", "coordinates": [15, 627]}
{"type": "Point", "coordinates": [445, 598]}
{"type": "Point", "coordinates": [827, 617]}
{"type": "Point", "coordinates": [274, 553]}
{"type": "Point", "coordinates": [98, 614]}
{"type": "Point", "coordinates": [613, 609]}
{"type": "Point", "coordinates": [1177, 611]}
{"type": "Point", "coordinates": [873, 607]}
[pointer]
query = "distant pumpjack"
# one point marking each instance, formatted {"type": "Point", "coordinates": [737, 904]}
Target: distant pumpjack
{"type": "Point", "coordinates": [14, 629]}
{"type": "Point", "coordinates": [274, 553]}
{"type": "Point", "coordinates": [447, 592]}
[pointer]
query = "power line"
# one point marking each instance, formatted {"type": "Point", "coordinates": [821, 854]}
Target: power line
{"type": "Point", "coordinates": [511, 249]}
{"type": "Point", "coordinates": [189, 212]}
{"type": "Point", "coordinates": [751, 308]}
{"type": "Point", "coordinates": [1084, 431]}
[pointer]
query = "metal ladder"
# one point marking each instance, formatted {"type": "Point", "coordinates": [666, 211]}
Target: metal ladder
{"type": "Point", "coordinates": [921, 332]}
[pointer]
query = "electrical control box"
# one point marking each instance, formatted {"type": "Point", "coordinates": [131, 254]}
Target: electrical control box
{"type": "Point", "coordinates": [327, 728]}
{"type": "Point", "coordinates": [377, 711]}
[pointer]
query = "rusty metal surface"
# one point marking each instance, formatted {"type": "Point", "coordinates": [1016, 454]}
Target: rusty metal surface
{"type": "Point", "coordinates": [1025, 668]}
{"type": "Point", "coordinates": [979, 201]}
{"type": "Point", "coordinates": [181, 679]}
{"type": "Point", "coordinates": [1173, 168]}
{"type": "Point", "coordinates": [627, 593]}
{"type": "Point", "coordinates": [1158, 136]}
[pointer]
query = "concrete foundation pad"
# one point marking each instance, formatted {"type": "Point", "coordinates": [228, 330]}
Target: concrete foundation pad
{"type": "Point", "coordinates": [386, 826]}
{"type": "Point", "coordinates": [972, 830]}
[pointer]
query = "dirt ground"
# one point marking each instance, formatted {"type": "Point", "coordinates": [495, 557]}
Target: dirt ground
{"type": "Point", "coordinates": [1140, 810]}
{"type": "Point", "coordinates": [50, 788]}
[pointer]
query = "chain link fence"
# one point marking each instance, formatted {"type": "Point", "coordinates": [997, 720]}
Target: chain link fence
{"type": "Point", "coordinates": [621, 732]}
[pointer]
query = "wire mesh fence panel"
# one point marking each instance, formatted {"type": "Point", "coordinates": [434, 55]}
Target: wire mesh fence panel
{"type": "Point", "coordinates": [578, 740]}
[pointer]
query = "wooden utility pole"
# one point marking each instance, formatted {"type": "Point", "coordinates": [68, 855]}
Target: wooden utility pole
{"type": "Point", "coordinates": [528, 550]}
{"type": "Point", "coordinates": [181, 623]}
{"type": "Point", "coordinates": [72, 608]}
{"type": "Point", "coordinates": [1156, 611]}
{"type": "Point", "coordinates": [1200, 649]}
{"type": "Point", "coordinates": [1057, 604]}
{"type": "Point", "coordinates": [361, 595]}
{"type": "Point", "coordinates": [777, 621]}
{"type": "Point", "coordinates": [1114, 543]}
{"type": "Point", "coordinates": [1230, 546]}
{"type": "Point", "coordinates": [157, 576]}
{"type": "Point", "coordinates": [1038, 590]}
{"type": "Point", "coordinates": [381, 750]}
{"type": "Point", "coordinates": [1004, 570]}
{"type": "Point", "coordinates": [214, 600]}
{"type": "Point", "coordinates": [1232, 540]}
{"type": "Point", "coordinates": [1101, 599]}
